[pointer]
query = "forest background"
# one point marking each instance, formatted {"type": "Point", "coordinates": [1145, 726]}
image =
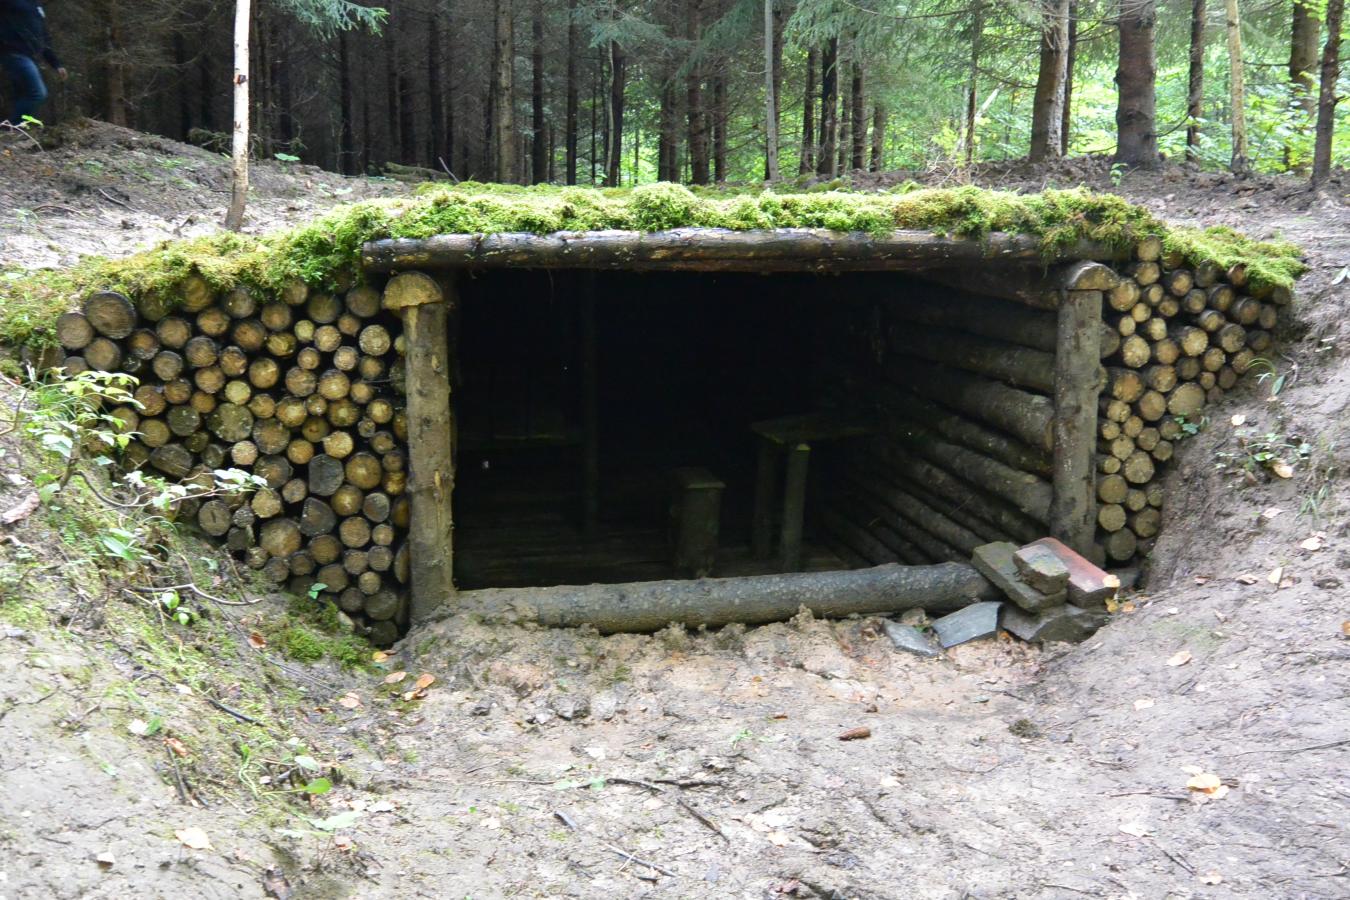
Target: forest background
{"type": "Point", "coordinates": [622, 92]}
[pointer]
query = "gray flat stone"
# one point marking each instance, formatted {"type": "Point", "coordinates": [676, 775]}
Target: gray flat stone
{"type": "Point", "coordinates": [1059, 623]}
{"type": "Point", "coordinates": [908, 638]}
{"type": "Point", "coordinates": [995, 562]}
{"type": "Point", "coordinates": [1041, 568]}
{"type": "Point", "coordinates": [979, 620]}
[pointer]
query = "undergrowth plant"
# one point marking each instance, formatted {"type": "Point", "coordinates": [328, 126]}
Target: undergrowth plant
{"type": "Point", "coordinates": [68, 418]}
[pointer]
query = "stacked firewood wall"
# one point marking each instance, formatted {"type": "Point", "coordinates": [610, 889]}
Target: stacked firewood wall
{"type": "Point", "coordinates": [1186, 335]}
{"type": "Point", "coordinates": [961, 386]}
{"type": "Point", "coordinates": [298, 389]}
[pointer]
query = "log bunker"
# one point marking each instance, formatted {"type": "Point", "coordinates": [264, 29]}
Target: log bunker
{"type": "Point", "coordinates": [643, 406]}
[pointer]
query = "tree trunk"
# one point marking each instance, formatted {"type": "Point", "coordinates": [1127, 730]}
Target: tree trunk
{"type": "Point", "coordinates": [878, 162]}
{"type": "Point", "coordinates": [438, 148]}
{"type": "Point", "coordinates": [1237, 91]}
{"type": "Point", "coordinates": [652, 605]}
{"type": "Point", "coordinates": [829, 104]}
{"type": "Point", "coordinates": [806, 163]}
{"type": "Point", "coordinates": [843, 133]}
{"type": "Point", "coordinates": [618, 75]}
{"type": "Point", "coordinates": [346, 136]}
{"type": "Point", "coordinates": [698, 120]}
{"type": "Point", "coordinates": [1304, 32]}
{"type": "Point", "coordinates": [1067, 112]}
{"type": "Point", "coordinates": [407, 120]}
{"type": "Point", "coordinates": [859, 119]}
{"type": "Point", "coordinates": [1047, 106]}
{"type": "Point", "coordinates": [1326, 100]}
{"type": "Point", "coordinates": [719, 130]}
{"type": "Point", "coordinates": [770, 95]}
{"type": "Point", "coordinates": [503, 93]}
{"type": "Point", "coordinates": [234, 217]}
{"type": "Point", "coordinates": [539, 140]}
{"type": "Point", "coordinates": [573, 88]}
{"type": "Point", "coordinates": [668, 154]}
{"type": "Point", "coordinates": [115, 75]}
{"type": "Point", "coordinates": [1195, 96]}
{"type": "Point", "coordinates": [1136, 74]}
{"type": "Point", "coordinates": [972, 91]}
{"type": "Point", "coordinates": [391, 98]}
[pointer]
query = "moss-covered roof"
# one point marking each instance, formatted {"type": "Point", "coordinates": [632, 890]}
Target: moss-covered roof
{"type": "Point", "coordinates": [329, 247]}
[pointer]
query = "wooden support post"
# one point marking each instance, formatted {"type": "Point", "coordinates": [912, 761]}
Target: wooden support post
{"type": "Point", "coordinates": [794, 507]}
{"type": "Point", "coordinates": [590, 411]}
{"type": "Point", "coordinates": [424, 306]}
{"type": "Point", "coordinates": [761, 526]}
{"type": "Point", "coordinates": [1073, 509]}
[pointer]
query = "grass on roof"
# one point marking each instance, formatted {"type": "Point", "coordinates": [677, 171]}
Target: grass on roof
{"type": "Point", "coordinates": [327, 250]}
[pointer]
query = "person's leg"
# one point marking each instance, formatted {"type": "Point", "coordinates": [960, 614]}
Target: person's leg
{"type": "Point", "coordinates": [29, 91]}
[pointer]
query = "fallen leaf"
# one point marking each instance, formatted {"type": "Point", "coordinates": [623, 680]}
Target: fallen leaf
{"type": "Point", "coordinates": [1345, 628]}
{"type": "Point", "coordinates": [194, 838]}
{"type": "Point", "coordinates": [106, 859]}
{"type": "Point", "coordinates": [349, 701]}
{"type": "Point", "coordinates": [1205, 782]}
{"type": "Point", "coordinates": [1275, 575]}
{"type": "Point", "coordinates": [1282, 469]}
{"type": "Point", "coordinates": [178, 747]}
{"type": "Point", "coordinates": [22, 510]}
{"type": "Point", "coordinates": [379, 656]}
{"type": "Point", "coordinates": [395, 677]}
{"type": "Point", "coordinates": [1180, 658]}
{"type": "Point", "coordinates": [1134, 829]}
{"type": "Point", "coordinates": [856, 734]}
{"type": "Point", "coordinates": [1239, 419]}
{"type": "Point", "coordinates": [1246, 579]}
{"type": "Point", "coordinates": [1202, 579]}
{"type": "Point", "coordinates": [138, 727]}
{"type": "Point", "coordinates": [1312, 543]}
{"type": "Point", "coordinates": [256, 641]}
{"type": "Point", "coordinates": [414, 695]}
{"type": "Point", "coordinates": [1211, 878]}
{"type": "Point", "coordinates": [425, 680]}
{"type": "Point", "coordinates": [1143, 703]}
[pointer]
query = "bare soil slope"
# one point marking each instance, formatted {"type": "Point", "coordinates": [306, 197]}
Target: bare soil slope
{"type": "Point", "coordinates": [565, 764]}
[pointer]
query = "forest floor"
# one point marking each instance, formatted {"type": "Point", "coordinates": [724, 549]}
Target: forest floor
{"type": "Point", "coordinates": [564, 764]}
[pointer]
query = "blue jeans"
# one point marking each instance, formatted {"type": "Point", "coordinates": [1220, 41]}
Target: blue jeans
{"type": "Point", "coordinates": [27, 90]}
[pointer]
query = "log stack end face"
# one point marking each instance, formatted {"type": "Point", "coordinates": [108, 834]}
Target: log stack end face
{"type": "Point", "coordinates": [301, 389]}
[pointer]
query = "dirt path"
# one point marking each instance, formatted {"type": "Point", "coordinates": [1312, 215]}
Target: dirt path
{"type": "Point", "coordinates": [564, 764]}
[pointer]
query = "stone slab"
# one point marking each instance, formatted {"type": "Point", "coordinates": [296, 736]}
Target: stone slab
{"type": "Point", "coordinates": [1060, 623]}
{"type": "Point", "coordinates": [979, 620]}
{"type": "Point", "coordinates": [908, 638]}
{"type": "Point", "coordinates": [995, 562]}
{"type": "Point", "coordinates": [1041, 568]}
{"type": "Point", "coordinates": [1090, 587]}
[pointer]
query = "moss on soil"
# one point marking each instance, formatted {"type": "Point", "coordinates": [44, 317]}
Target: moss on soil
{"type": "Point", "coordinates": [327, 250]}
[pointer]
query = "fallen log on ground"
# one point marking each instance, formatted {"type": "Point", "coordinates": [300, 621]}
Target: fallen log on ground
{"type": "Point", "coordinates": [652, 605]}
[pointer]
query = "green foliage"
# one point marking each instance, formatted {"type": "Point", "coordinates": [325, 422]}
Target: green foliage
{"type": "Point", "coordinates": [302, 645]}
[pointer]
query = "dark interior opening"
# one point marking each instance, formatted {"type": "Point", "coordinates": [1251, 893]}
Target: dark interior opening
{"type": "Point", "coordinates": [683, 364]}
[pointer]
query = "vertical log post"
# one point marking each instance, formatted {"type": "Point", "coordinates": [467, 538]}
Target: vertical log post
{"type": "Point", "coordinates": [794, 507]}
{"type": "Point", "coordinates": [1073, 508]}
{"type": "Point", "coordinates": [424, 306]}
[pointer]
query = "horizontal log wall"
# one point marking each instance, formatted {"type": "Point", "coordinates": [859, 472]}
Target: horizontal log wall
{"type": "Point", "coordinates": [963, 387]}
{"type": "Point", "coordinates": [303, 389]}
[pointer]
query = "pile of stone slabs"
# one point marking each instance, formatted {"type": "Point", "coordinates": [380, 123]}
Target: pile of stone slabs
{"type": "Point", "coordinates": [1054, 594]}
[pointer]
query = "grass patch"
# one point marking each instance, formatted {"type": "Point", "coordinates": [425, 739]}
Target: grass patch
{"type": "Point", "coordinates": [325, 253]}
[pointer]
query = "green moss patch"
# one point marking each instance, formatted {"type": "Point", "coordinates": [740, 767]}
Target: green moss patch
{"type": "Point", "coordinates": [326, 252]}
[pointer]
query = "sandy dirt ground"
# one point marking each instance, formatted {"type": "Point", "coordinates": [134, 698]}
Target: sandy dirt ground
{"type": "Point", "coordinates": [566, 764]}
